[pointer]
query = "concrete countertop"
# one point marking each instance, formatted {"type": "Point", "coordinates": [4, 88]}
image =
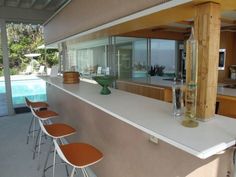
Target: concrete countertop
{"type": "Point", "coordinates": [154, 117]}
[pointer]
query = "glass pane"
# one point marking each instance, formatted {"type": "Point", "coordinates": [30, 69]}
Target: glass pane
{"type": "Point", "coordinates": [124, 58]}
{"type": "Point", "coordinates": [131, 57]}
{"type": "Point", "coordinates": [140, 59]}
{"type": "Point", "coordinates": [163, 56]}
{"type": "Point", "coordinates": [89, 58]}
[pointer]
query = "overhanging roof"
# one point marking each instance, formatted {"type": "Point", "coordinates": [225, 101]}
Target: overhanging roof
{"type": "Point", "coordinates": [29, 11]}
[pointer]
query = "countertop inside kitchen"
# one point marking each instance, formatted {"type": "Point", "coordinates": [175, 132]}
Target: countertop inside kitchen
{"type": "Point", "coordinates": [152, 81]}
{"type": "Point", "coordinates": [154, 117]}
{"type": "Point", "coordinates": [166, 82]}
{"type": "Point", "coordinates": [222, 90]}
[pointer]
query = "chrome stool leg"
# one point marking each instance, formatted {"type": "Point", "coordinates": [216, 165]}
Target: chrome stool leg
{"type": "Point", "coordinates": [46, 162]}
{"type": "Point", "coordinates": [36, 144]}
{"type": "Point", "coordinates": [45, 168]}
{"type": "Point", "coordinates": [29, 131]}
{"type": "Point", "coordinates": [39, 148]}
{"type": "Point", "coordinates": [54, 163]}
{"type": "Point", "coordinates": [34, 125]}
{"type": "Point", "coordinates": [72, 172]}
{"type": "Point", "coordinates": [84, 172]}
{"type": "Point", "coordinates": [67, 171]}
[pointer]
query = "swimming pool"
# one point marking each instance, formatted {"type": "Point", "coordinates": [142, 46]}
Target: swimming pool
{"type": "Point", "coordinates": [25, 86]}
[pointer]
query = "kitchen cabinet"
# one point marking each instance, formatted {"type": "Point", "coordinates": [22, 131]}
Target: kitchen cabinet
{"type": "Point", "coordinates": [227, 106]}
{"type": "Point", "coordinates": [160, 93]}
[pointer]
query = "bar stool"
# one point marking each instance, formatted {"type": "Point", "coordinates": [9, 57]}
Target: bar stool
{"type": "Point", "coordinates": [36, 106]}
{"type": "Point", "coordinates": [78, 155]}
{"type": "Point", "coordinates": [43, 115]}
{"type": "Point", "coordinates": [54, 131]}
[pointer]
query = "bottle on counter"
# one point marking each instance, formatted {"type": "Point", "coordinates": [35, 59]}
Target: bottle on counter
{"type": "Point", "coordinates": [190, 119]}
{"type": "Point", "coordinates": [177, 98]}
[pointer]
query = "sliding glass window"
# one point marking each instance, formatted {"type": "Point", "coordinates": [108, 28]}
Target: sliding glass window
{"type": "Point", "coordinates": [131, 56]}
{"type": "Point", "coordinates": [89, 58]}
{"type": "Point", "coordinates": [163, 56]}
{"type": "Point", "coordinates": [128, 58]}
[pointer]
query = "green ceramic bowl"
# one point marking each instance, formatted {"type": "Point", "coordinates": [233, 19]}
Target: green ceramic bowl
{"type": "Point", "coordinates": [104, 81]}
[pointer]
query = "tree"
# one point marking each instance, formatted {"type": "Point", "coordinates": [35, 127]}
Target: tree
{"type": "Point", "coordinates": [24, 39]}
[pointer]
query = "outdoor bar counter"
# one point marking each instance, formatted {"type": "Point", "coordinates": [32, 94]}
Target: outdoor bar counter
{"type": "Point", "coordinates": [120, 125]}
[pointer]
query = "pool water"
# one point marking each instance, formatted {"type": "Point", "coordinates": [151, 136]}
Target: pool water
{"type": "Point", "coordinates": [33, 88]}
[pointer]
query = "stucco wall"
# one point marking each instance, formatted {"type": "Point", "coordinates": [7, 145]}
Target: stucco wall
{"type": "Point", "coordinates": [81, 15]}
{"type": "Point", "coordinates": [127, 150]}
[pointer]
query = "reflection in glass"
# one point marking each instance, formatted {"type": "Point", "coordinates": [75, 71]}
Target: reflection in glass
{"type": "Point", "coordinates": [131, 57]}
{"type": "Point", "coordinates": [163, 57]}
{"type": "Point", "coordinates": [89, 58]}
{"type": "Point", "coordinates": [128, 58]}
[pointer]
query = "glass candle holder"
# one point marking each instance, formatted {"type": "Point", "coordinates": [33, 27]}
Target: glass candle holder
{"type": "Point", "coordinates": [190, 105]}
{"type": "Point", "coordinates": [177, 99]}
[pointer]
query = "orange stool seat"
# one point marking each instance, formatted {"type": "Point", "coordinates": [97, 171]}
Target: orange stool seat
{"type": "Point", "coordinates": [59, 130]}
{"type": "Point", "coordinates": [35, 106]}
{"type": "Point", "coordinates": [80, 154]}
{"type": "Point", "coordinates": [39, 105]}
{"type": "Point", "coordinates": [46, 114]}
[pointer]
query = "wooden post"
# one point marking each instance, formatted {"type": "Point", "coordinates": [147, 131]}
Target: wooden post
{"type": "Point", "coordinates": [207, 32]}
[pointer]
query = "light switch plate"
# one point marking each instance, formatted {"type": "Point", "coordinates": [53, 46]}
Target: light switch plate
{"type": "Point", "coordinates": [153, 139]}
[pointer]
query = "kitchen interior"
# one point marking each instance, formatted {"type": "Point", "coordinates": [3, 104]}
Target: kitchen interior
{"type": "Point", "coordinates": [147, 61]}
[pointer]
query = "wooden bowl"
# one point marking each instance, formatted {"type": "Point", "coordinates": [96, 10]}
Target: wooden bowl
{"type": "Point", "coordinates": [71, 77]}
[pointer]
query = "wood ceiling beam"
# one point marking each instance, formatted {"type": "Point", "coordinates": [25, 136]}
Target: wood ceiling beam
{"type": "Point", "coordinates": [225, 4]}
{"type": "Point", "coordinates": [46, 4]}
{"type": "Point", "coordinates": [162, 18]}
{"type": "Point", "coordinates": [229, 27]}
{"type": "Point", "coordinates": [32, 3]}
{"type": "Point", "coordinates": [18, 2]}
{"type": "Point", "coordinates": [190, 23]}
{"type": "Point", "coordinates": [12, 14]}
{"type": "Point", "coordinates": [172, 28]}
{"type": "Point", "coordinates": [2, 2]}
{"type": "Point", "coordinates": [60, 4]}
{"type": "Point", "coordinates": [148, 33]}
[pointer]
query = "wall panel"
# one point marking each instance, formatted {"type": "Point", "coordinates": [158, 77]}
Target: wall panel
{"type": "Point", "coordinates": [80, 15]}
